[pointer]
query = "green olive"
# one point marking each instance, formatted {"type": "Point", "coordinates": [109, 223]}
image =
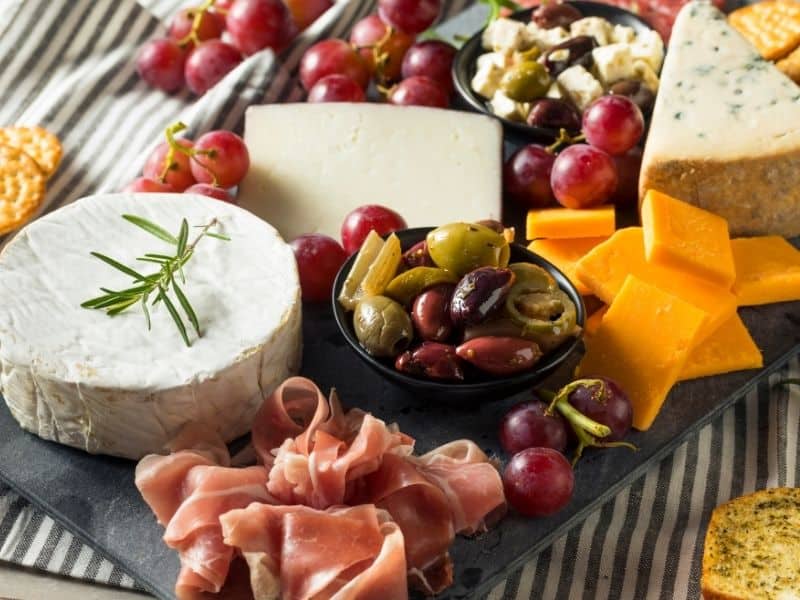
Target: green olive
{"type": "Point", "coordinates": [409, 284]}
{"type": "Point", "coordinates": [543, 312]}
{"type": "Point", "coordinates": [525, 81]}
{"type": "Point", "coordinates": [533, 277]}
{"type": "Point", "coordinates": [529, 55]}
{"type": "Point", "coordinates": [382, 326]}
{"type": "Point", "coordinates": [463, 247]}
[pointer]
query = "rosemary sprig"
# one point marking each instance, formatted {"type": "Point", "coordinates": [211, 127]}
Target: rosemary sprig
{"type": "Point", "coordinates": [160, 283]}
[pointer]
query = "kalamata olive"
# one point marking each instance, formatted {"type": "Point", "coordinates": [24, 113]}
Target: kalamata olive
{"type": "Point", "coordinates": [554, 114]}
{"type": "Point", "coordinates": [500, 355]}
{"type": "Point", "coordinates": [432, 360]}
{"type": "Point", "coordinates": [462, 247]}
{"type": "Point", "coordinates": [525, 81]}
{"type": "Point", "coordinates": [431, 313]}
{"type": "Point", "coordinates": [479, 294]}
{"type": "Point", "coordinates": [574, 51]}
{"type": "Point", "coordinates": [417, 256]}
{"type": "Point", "coordinates": [641, 95]}
{"type": "Point", "coordinates": [555, 14]}
{"type": "Point", "coordinates": [382, 326]}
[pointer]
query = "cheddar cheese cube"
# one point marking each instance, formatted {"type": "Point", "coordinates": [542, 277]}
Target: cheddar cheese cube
{"type": "Point", "coordinates": [567, 223]}
{"type": "Point", "coordinates": [565, 254]}
{"type": "Point", "coordinates": [730, 348]}
{"type": "Point", "coordinates": [767, 270]}
{"type": "Point", "coordinates": [593, 321]}
{"type": "Point", "coordinates": [642, 344]}
{"type": "Point", "coordinates": [681, 236]}
{"type": "Point", "coordinates": [604, 269]}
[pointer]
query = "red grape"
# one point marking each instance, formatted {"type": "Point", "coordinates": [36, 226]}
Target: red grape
{"type": "Point", "coordinates": [160, 63]}
{"type": "Point", "coordinates": [375, 39]}
{"type": "Point", "coordinates": [359, 222]}
{"type": "Point", "coordinates": [411, 16]}
{"type": "Point", "coordinates": [538, 482]}
{"type": "Point", "coordinates": [208, 63]}
{"type": "Point", "coordinates": [609, 406]}
{"type": "Point", "coordinates": [222, 5]}
{"type": "Point", "coordinates": [211, 191]}
{"type": "Point", "coordinates": [179, 174]}
{"type": "Point", "coordinates": [419, 91]}
{"type": "Point", "coordinates": [432, 59]}
{"type": "Point", "coordinates": [319, 259]}
{"type": "Point", "coordinates": [526, 176]}
{"type": "Point", "coordinates": [332, 57]}
{"type": "Point", "coordinates": [336, 88]}
{"type": "Point", "coordinates": [258, 24]}
{"type": "Point", "coordinates": [583, 176]}
{"type": "Point", "coordinates": [210, 27]}
{"type": "Point", "coordinates": [528, 425]}
{"type": "Point", "coordinates": [628, 166]}
{"type": "Point", "coordinates": [148, 186]}
{"type": "Point", "coordinates": [229, 159]}
{"type": "Point", "coordinates": [613, 123]}
{"type": "Point", "coordinates": [305, 12]}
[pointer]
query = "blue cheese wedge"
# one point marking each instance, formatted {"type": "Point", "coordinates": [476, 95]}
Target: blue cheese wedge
{"type": "Point", "coordinates": [108, 384]}
{"type": "Point", "coordinates": [725, 132]}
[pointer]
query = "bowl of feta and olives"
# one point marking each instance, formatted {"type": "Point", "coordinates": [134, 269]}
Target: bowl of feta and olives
{"type": "Point", "coordinates": [538, 69]}
{"type": "Point", "coordinates": [457, 310]}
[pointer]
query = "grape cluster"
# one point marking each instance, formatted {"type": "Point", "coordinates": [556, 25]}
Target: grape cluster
{"type": "Point", "coordinates": [211, 165]}
{"type": "Point", "coordinates": [206, 42]}
{"type": "Point", "coordinates": [382, 48]}
{"type": "Point", "coordinates": [583, 175]}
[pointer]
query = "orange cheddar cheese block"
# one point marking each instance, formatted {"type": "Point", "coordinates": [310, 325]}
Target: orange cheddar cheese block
{"type": "Point", "coordinates": [592, 323]}
{"type": "Point", "coordinates": [643, 343]}
{"type": "Point", "coordinates": [567, 223]}
{"type": "Point", "coordinates": [604, 269]}
{"type": "Point", "coordinates": [565, 254]}
{"type": "Point", "coordinates": [767, 270]}
{"type": "Point", "coordinates": [730, 348]}
{"type": "Point", "coordinates": [687, 238]}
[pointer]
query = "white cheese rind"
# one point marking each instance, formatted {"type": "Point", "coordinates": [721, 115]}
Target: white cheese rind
{"type": "Point", "coordinates": [725, 131]}
{"type": "Point", "coordinates": [108, 385]}
{"type": "Point", "coordinates": [311, 164]}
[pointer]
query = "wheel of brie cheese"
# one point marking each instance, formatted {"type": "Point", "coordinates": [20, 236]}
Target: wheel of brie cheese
{"type": "Point", "coordinates": [109, 384]}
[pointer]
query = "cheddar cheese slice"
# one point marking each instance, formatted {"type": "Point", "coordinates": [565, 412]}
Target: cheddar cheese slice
{"type": "Point", "coordinates": [565, 254]}
{"type": "Point", "coordinates": [767, 270]}
{"type": "Point", "coordinates": [642, 344]}
{"type": "Point", "coordinates": [592, 323]}
{"type": "Point", "coordinates": [604, 269]}
{"type": "Point", "coordinates": [568, 223]}
{"type": "Point", "coordinates": [730, 348]}
{"type": "Point", "coordinates": [687, 238]}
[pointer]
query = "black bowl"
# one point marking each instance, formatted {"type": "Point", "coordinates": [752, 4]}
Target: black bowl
{"type": "Point", "coordinates": [465, 66]}
{"type": "Point", "coordinates": [488, 388]}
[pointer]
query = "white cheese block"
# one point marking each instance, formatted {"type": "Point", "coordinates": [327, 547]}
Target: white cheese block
{"type": "Point", "coordinates": [545, 39]}
{"type": "Point", "coordinates": [613, 62]}
{"type": "Point", "coordinates": [580, 86]}
{"type": "Point", "coordinates": [724, 133]}
{"type": "Point", "coordinates": [107, 384]}
{"type": "Point", "coordinates": [505, 35]}
{"type": "Point", "coordinates": [311, 164]}
{"type": "Point", "coordinates": [505, 107]}
{"type": "Point", "coordinates": [623, 34]}
{"type": "Point", "coordinates": [487, 78]}
{"type": "Point", "coordinates": [598, 28]}
{"type": "Point", "coordinates": [649, 47]}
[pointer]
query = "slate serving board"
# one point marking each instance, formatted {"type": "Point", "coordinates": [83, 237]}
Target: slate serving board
{"type": "Point", "coordinates": [95, 498]}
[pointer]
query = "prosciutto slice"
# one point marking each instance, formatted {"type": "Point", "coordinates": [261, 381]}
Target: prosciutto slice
{"type": "Point", "coordinates": [300, 553]}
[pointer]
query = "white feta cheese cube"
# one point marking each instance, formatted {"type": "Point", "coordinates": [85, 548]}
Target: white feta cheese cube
{"type": "Point", "coordinates": [544, 39]}
{"type": "Point", "coordinates": [644, 73]}
{"type": "Point", "coordinates": [497, 59]}
{"type": "Point", "coordinates": [487, 79]}
{"type": "Point", "coordinates": [598, 28]}
{"type": "Point", "coordinates": [650, 48]}
{"type": "Point", "coordinates": [621, 34]}
{"type": "Point", "coordinates": [613, 62]}
{"type": "Point", "coordinates": [505, 35]}
{"type": "Point", "coordinates": [580, 86]}
{"type": "Point", "coordinates": [505, 107]}
{"type": "Point", "coordinates": [554, 91]}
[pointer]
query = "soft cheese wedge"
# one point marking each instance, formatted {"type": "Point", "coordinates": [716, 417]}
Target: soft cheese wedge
{"type": "Point", "coordinates": [311, 164]}
{"type": "Point", "coordinates": [725, 133]}
{"type": "Point", "coordinates": [107, 384]}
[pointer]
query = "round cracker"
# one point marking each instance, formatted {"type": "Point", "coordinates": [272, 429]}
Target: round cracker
{"type": "Point", "coordinates": [37, 142]}
{"type": "Point", "coordinates": [22, 188]}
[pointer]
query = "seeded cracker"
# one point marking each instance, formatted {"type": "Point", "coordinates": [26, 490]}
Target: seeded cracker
{"type": "Point", "coordinates": [22, 188]}
{"type": "Point", "coordinates": [37, 142]}
{"type": "Point", "coordinates": [773, 27]}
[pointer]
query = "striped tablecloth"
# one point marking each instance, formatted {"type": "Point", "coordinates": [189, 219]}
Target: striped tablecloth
{"type": "Point", "coordinates": [67, 65]}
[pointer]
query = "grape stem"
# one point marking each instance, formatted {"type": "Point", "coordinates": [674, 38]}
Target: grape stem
{"type": "Point", "coordinates": [588, 431]}
{"type": "Point", "coordinates": [197, 18]}
{"type": "Point", "coordinates": [564, 139]}
{"type": "Point", "coordinates": [174, 146]}
{"type": "Point", "coordinates": [379, 55]}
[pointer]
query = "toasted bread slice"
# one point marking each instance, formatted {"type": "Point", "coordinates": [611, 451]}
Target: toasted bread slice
{"type": "Point", "coordinates": [752, 548]}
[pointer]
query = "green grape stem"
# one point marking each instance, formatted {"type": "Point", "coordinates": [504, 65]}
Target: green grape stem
{"type": "Point", "coordinates": [197, 18]}
{"type": "Point", "coordinates": [192, 153]}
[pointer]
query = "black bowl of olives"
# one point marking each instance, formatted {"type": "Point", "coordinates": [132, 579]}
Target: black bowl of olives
{"type": "Point", "coordinates": [457, 312]}
{"type": "Point", "coordinates": [547, 114]}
